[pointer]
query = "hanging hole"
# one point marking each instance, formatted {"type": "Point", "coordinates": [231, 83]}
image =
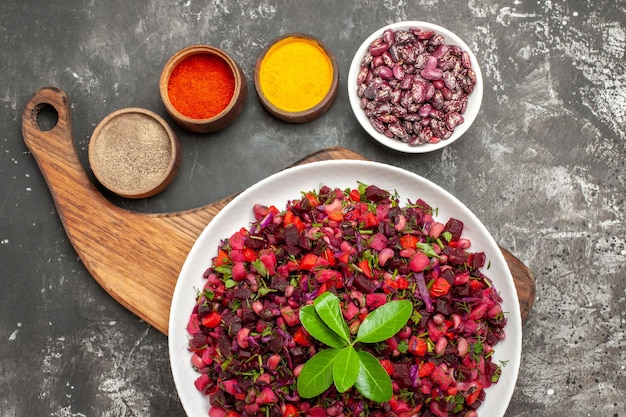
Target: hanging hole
{"type": "Point", "coordinates": [46, 116]}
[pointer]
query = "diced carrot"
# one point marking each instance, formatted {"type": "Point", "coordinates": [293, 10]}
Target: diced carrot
{"type": "Point", "coordinates": [344, 258]}
{"type": "Point", "coordinates": [308, 261]}
{"type": "Point", "coordinates": [250, 254]}
{"type": "Point", "coordinates": [221, 258]}
{"type": "Point", "coordinates": [301, 337]}
{"type": "Point", "coordinates": [288, 217]}
{"type": "Point", "coordinates": [212, 319]}
{"type": "Point", "coordinates": [425, 369]}
{"type": "Point", "coordinates": [408, 241]}
{"type": "Point", "coordinates": [364, 265]}
{"type": "Point", "coordinates": [417, 346]}
{"type": "Point", "coordinates": [297, 221]}
{"type": "Point", "coordinates": [439, 288]}
{"type": "Point", "coordinates": [336, 216]}
{"type": "Point", "coordinates": [330, 257]}
{"type": "Point", "coordinates": [473, 396]}
{"type": "Point", "coordinates": [402, 283]}
{"type": "Point", "coordinates": [355, 195]}
{"type": "Point", "coordinates": [387, 365]}
{"type": "Point", "coordinates": [370, 219]}
{"type": "Point", "coordinates": [290, 411]}
{"type": "Point", "coordinates": [312, 199]}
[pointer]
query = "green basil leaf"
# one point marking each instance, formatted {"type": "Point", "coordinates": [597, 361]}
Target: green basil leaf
{"type": "Point", "coordinates": [346, 368]}
{"type": "Point", "coordinates": [384, 322]}
{"type": "Point", "coordinates": [373, 382]}
{"type": "Point", "coordinates": [328, 307]}
{"type": "Point", "coordinates": [316, 375]}
{"type": "Point", "coordinates": [318, 329]}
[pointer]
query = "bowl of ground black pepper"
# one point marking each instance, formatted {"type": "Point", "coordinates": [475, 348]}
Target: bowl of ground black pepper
{"type": "Point", "coordinates": [202, 88]}
{"type": "Point", "coordinates": [134, 153]}
{"type": "Point", "coordinates": [296, 77]}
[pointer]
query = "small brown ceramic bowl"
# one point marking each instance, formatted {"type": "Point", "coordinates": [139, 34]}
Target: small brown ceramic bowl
{"type": "Point", "coordinates": [204, 106]}
{"type": "Point", "coordinates": [296, 77]}
{"type": "Point", "coordinates": [134, 153]}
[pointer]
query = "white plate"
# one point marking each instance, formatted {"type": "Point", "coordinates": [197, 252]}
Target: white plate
{"type": "Point", "coordinates": [287, 185]}
{"type": "Point", "coordinates": [473, 103]}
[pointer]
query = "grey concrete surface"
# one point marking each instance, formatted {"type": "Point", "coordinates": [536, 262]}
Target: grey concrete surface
{"type": "Point", "coordinates": [542, 167]}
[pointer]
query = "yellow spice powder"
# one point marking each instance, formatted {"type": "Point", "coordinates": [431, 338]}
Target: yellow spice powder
{"type": "Point", "coordinates": [295, 74]}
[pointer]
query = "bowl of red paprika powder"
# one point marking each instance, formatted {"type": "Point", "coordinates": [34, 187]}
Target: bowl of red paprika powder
{"type": "Point", "coordinates": [203, 88]}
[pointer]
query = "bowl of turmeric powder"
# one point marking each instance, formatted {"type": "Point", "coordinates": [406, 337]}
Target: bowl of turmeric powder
{"type": "Point", "coordinates": [202, 88]}
{"type": "Point", "coordinates": [296, 78]}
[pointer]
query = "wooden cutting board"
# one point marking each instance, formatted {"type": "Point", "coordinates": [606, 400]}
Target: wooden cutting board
{"type": "Point", "coordinates": [136, 257]}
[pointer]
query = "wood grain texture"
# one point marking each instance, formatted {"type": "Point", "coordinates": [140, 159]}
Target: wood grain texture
{"type": "Point", "coordinates": [136, 257]}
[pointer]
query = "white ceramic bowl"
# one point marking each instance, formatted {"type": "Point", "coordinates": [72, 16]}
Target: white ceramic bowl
{"type": "Point", "coordinates": [474, 99]}
{"type": "Point", "coordinates": [288, 184]}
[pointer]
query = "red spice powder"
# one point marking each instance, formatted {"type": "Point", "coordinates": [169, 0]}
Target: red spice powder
{"type": "Point", "coordinates": [201, 86]}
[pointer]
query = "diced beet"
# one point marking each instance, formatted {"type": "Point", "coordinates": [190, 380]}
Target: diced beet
{"type": "Point", "coordinates": [217, 412]}
{"type": "Point", "coordinates": [291, 235]}
{"type": "Point", "coordinates": [276, 343]}
{"type": "Point", "coordinates": [245, 383]}
{"type": "Point", "coordinates": [230, 386]}
{"type": "Point", "coordinates": [442, 378]}
{"type": "Point", "coordinates": [455, 257]}
{"type": "Point", "coordinates": [198, 341]}
{"type": "Point", "coordinates": [242, 293]}
{"type": "Point", "coordinates": [375, 194]}
{"type": "Point", "coordinates": [278, 283]}
{"type": "Point", "coordinates": [202, 382]}
{"type": "Point", "coordinates": [477, 260]}
{"type": "Point", "coordinates": [317, 412]}
{"type": "Point", "coordinates": [375, 300]}
{"type": "Point", "coordinates": [396, 264]}
{"type": "Point", "coordinates": [266, 396]}
{"type": "Point", "coordinates": [234, 328]}
{"type": "Point", "coordinates": [403, 374]}
{"type": "Point", "coordinates": [364, 284]}
{"type": "Point", "coordinates": [218, 397]}
{"type": "Point", "coordinates": [224, 346]}
{"type": "Point", "coordinates": [193, 326]}
{"type": "Point", "coordinates": [448, 275]}
{"type": "Point", "coordinates": [239, 271]}
{"type": "Point", "coordinates": [253, 242]}
{"type": "Point", "coordinates": [297, 353]}
{"type": "Point", "coordinates": [291, 317]}
{"type": "Point", "coordinates": [305, 243]}
{"type": "Point", "coordinates": [455, 228]}
{"type": "Point", "coordinates": [292, 250]}
{"type": "Point", "coordinates": [350, 311]}
{"type": "Point", "coordinates": [247, 315]}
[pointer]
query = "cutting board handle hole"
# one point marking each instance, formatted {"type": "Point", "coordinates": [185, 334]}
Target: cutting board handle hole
{"type": "Point", "coordinates": [46, 116]}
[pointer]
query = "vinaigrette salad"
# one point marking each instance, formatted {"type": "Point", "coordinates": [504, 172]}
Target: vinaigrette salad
{"type": "Point", "coordinates": [367, 248]}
